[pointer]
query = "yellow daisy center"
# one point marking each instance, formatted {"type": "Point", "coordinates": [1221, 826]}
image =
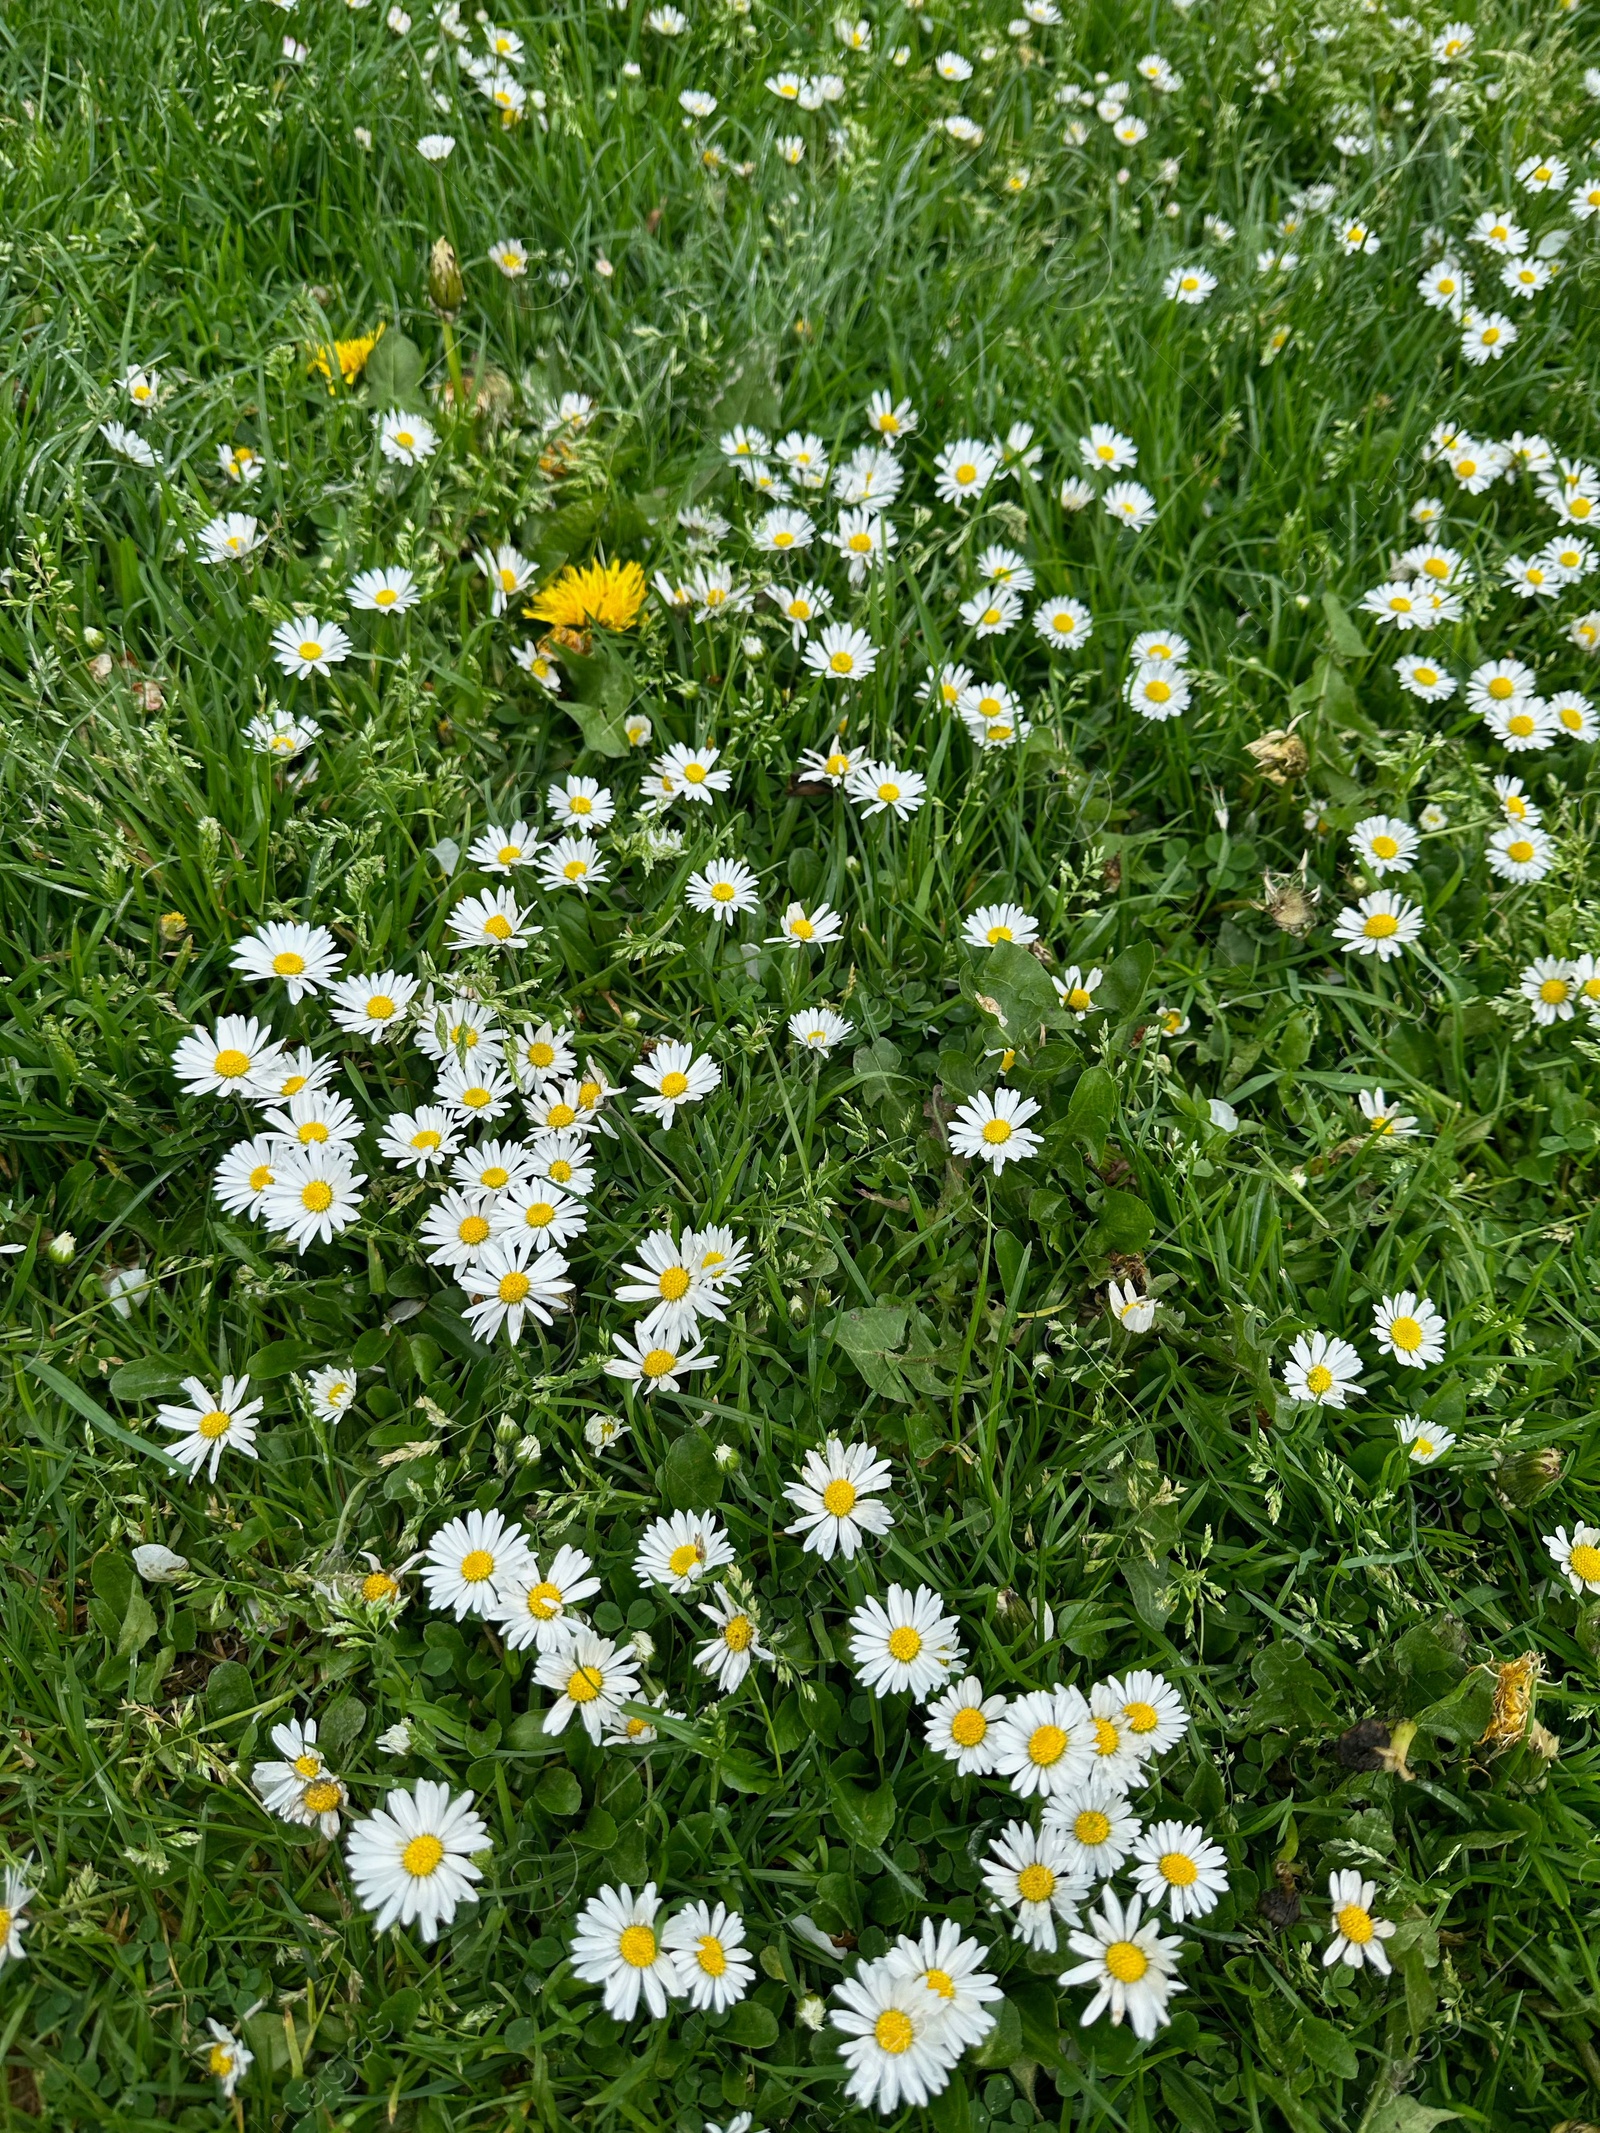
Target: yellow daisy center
{"type": "Point", "coordinates": [1355, 1924]}
{"type": "Point", "coordinates": [802, 929]}
{"type": "Point", "coordinates": [711, 1955]}
{"type": "Point", "coordinates": [738, 1634]}
{"type": "Point", "coordinates": [888, 792]}
{"type": "Point", "coordinates": [673, 1085]}
{"type": "Point", "coordinates": [839, 1498]}
{"type": "Point", "coordinates": [997, 1131]}
{"type": "Point", "coordinates": [219, 2061]}
{"type": "Point", "coordinates": [1319, 1379]}
{"type": "Point", "coordinates": [1520, 853]}
{"type": "Point", "coordinates": [1380, 926]}
{"type": "Point", "coordinates": [385, 596]}
{"type": "Point", "coordinates": [1554, 991]}
{"type": "Point", "coordinates": [904, 1643]}
{"type": "Point", "coordinates": [380, 1007]}
{"type": "Point", "coordinates": [287, 964]}
{"type": "Point", "coordinates": [842, 662]}
{"type": "Point", "coordinates": [659, 1363]}
{"type": "Point", "coordinates": [997, 934]}
{"type": "Point", "coordinates": [215, 1424]}
{"type": "Point", "coordinates": [1520, 724]}
{"type": "Point", "coordinates": [1126, 1961]}
{"type": "Point", "coordinates": [1585, 1562]}
{"type": "Point", "coordinates": [378, 1585]}
{"type": "Point", "coordinates": [683, 1558]}
{"type": "Point", "coordinates": [476, 1565]}
{"type": "Point", "coordinates": [1106, 1737]}
{"type": "Point", "coordinates": [310, 649]}
{"type": "Point", "coordinates": [427, 1138]}
{"type": "Point", "coordinates": [584, 1684]}
{"type": "Point", "coordinates": [422, 1856]}
{"type": "Point", "coordinates": [893, 2032]}
{"type": "Point", "coordinates": [477, 1098]}
{"type": "Point", "coordinates": [1036, 1883]}
{"type": "Point", "coordinates": [1046, 1745]}
{"type": "Point", "coordinates": [1158, 692]}
{"type": "Point", "coordinates": [544, 1601]}
{"type": "Point", "coordinates": [499, 927]}
{"type": "Point", "coordinates": [513, 1287]}
{"type": "Point", "coordinates": [1385, 847]}
{"type": "Point", "coordinates": [539, 1215]}
{"type": "Point", "coordinates": [1501, 687]}
{"type": "Point", "coordinates": [230, 1064]}
{"type": "Point", "coordinates": [966, 473]}
{"type": "Point", "coordinates": [1091, 1826]}
{"type": "Point", "coordinates": [473, 1229]}
{"type": "Point", "coordinates": [1178, 1869]}
{"type": "Point", "coordinates": [308, 1765]}
{"type": "Point", "coordinates": [261, 1177]}
{"type": "Point", "coordinates": [968, 1727]}
{"type": "Point", "coordinates": [322, 1798]}
{"type": "Point", "coordinates": [312, 1132]}
{"type": "Point", "coordinates": [559, 1115]}
{"type": "Point", "coordinates": [561, 1171]}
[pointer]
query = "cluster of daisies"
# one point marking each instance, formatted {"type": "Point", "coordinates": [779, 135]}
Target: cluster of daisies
{"type": "Point", "coordinates": [509, 1207]}
{"type": "Point", "coordinates": [907, 2017]}
{"type": "Point", "coordinates": [1519, 262]}
{"type": "Point", "coordinates": [1324, 1369]}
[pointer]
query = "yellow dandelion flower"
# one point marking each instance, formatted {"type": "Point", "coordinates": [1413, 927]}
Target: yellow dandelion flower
{"type": "Point", "coordinates": [351, 357]}
{"type": "Point", "coordinates": [610, 594]}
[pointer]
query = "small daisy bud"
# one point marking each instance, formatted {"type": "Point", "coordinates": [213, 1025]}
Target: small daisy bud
{"type": "Point", "coordinates": [444, 278]}
{"type": "Point", "coordinates": [644, 1646]}
{"type": "Point", "coordinates": [1521, 1478]}
{"type": "Point", "coordinates": [727, 1457]}
{"type": "Point", "coordinates": [812, 2011]}
{"type": "Point", "coordinates": [61, 1249]}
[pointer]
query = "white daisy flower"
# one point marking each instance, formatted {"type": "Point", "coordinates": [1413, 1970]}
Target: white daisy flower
{"type": "Point", "coordinates": [245, 1172]}
{"type": "Point", "coordinates": [1384, 844]}
{"type": "Point", "coordinates": [991, 924]}
{"type": "Point", "coordinates": [674, 1074]}
{"type": "Point", "coordinates": [713, 1961]}
{"type": "Point", "coordinates": [730, 1654]}
{"type": "Point", "coordinates": [1358, 1937]}
{"type": "Point", "coordinates": [879, 787]}
{"type": "Point", "coordinates": [1409, 1327]}
{"type": "Point", "coordinates": [306, 646]}
{"type": "Point", "coordinates": [679, 1550]}
{"type": "Point", "coordinates": [994, 1128]}
{"type": "Point", "coordinates": [412, 1861]}
{"type": "Point", "coordinates": [1028, 1872]}
{"type": "Point", "coordinates": [1095, 1823]}
{"type": "Point", "coordinates": [332, 1390]}
{"type": "Point", "coordinates": [372, 1007]}
{"type": "Point", "coordinates": [1425, 1442]}
{"type": "Point", "coordinates": [514, 1277]}
{"type": "Point", "coordinates": [224, 1060]}
{"type": "Point", "coordinates": [818, 1029]}
{"type": "Point", "coordinates": [419, 1140]}
{"type": "Point", "coordinates": [1177, 1864]}
{"type": "Point", "coordinates": [405, 439]}
{"type": "Point", "coordinates": [391, 591]}
{"type": "Point", "coordinates": [1044, 1744]}
{"type": "Point", "coordinates": [467, 1558]}
{"type": "Point", "coordinates": [905, 1643]}
{"type": "Point", "coordinates": [617, 1947]}
{"type": "Point", "coordinates": [961, 1727]}
{"type": "Point", "coordinates": [226, 2057]}
{"type": "Point", "coordinates": [589, 1676]}
{"type": "Point", "coordinates": [835, 1496]}
{"type": "Point", "coordinates": [1131, 1966]}
{"type": "Point", "coordinates": [1381, 924]}
{"type": "Point", "coordinates": [895, 2041]}
{"type": "Point", "coordinates": [1578, 1559]}
{"type": "Point", "coordinates": [1322, 1369]}
{"type": "Point", "coordinates": [211, 1424]}
{"type": "Point", "coordinates": [651, 1365]}
{"type": "Point", "coordinates": [315, 1194]}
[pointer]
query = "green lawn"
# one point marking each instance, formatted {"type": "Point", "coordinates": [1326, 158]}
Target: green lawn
{"type": "Point", "coordinates": [1385, 1671]}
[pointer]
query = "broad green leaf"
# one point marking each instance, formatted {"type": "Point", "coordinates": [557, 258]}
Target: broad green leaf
{"type": "Point", "coordinates": [690, 1479]}
{"type": "Point", "coordinates": [867, 1817]}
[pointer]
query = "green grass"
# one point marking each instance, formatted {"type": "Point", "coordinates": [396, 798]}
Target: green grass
{"type": "Point", "coordinates": [175, 195]}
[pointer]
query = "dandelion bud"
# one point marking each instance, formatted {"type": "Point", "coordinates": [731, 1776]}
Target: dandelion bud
{"type": "Point", "coordinates": [444, 278]}
{"type": "Point", "coordinates": [1523, 1477]}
